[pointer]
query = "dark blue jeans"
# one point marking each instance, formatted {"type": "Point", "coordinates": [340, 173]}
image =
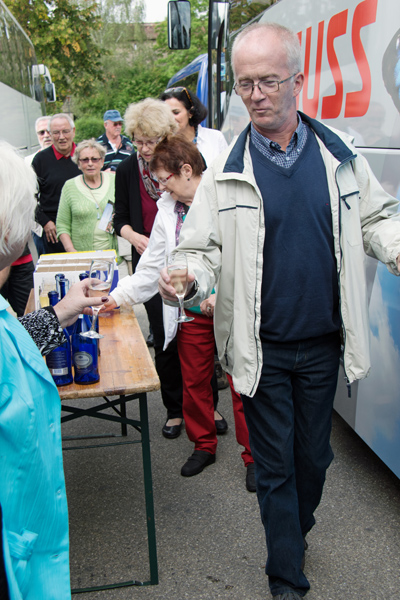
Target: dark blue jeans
{"type": "Point", "coordinates": [289, 421]}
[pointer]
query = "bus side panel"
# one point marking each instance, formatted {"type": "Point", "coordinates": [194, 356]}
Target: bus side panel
{"type": "Point", "coordinates": [17, 118]}
{"type": "Point", "coordinates": [351, 57]}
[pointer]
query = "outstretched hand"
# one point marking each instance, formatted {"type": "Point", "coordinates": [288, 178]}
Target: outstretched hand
{"type": "Point", "coordinates": [77, 301]}
{"type": "Point", "coordinates": [109, 305]}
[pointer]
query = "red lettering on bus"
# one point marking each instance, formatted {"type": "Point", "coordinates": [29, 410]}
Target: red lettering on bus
{"type": "Point", "coordinates": [332, 105]}
{"type": "Point", "coordinates": [300, 36]}
{"type": "Point", "coordinates": [357, 102]}
{"type": "Point", "coordinates": [310, 105]}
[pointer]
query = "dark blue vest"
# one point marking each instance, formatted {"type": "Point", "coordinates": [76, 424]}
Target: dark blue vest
{"type": "Point", "coordinates": [299, 288]}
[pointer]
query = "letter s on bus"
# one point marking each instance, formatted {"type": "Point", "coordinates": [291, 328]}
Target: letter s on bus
{"type": "Point", "coordinates": [332, 105]}
{"type": "Point", "coordinates": [357, 102]}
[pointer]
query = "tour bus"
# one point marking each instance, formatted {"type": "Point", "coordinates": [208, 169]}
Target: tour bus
{"type": "Point", "coordinates": [21, 93]}
{"type": "Point", "coordinates": [351, 58]}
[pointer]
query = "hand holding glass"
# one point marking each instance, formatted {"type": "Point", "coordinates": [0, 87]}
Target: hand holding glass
{"type": "Point", "coordinates": [101, 276]}
{"type": "Point", "coordinates": [178, 273]}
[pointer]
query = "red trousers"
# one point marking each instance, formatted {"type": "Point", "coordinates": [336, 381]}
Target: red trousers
{"type": "Point", "coordinates": [196, 347]}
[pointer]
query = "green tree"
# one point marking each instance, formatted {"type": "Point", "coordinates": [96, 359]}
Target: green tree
{"type": "Point", "coordinates": [130, 73]}
{"type": "Point", "coordinates": [61, 32]}
{"type": "Point", "coordinates": [88, 127]}
{"type": "Point", "coordinates": [242, 11]}
{"type": "Point", "coordinates": [135, 68]}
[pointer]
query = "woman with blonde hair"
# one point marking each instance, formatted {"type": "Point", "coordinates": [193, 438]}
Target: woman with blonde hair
{"type": "Point", "coordinates": [84, 217]}
{"type": "Point", "coordinates": [136, 195]}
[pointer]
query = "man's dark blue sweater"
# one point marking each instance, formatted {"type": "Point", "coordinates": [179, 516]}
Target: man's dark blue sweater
{"type": "Point", "coordinates": [299, 288]}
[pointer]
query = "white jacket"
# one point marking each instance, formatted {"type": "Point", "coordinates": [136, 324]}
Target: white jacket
{"type": "Point", "coordinates": [223, 236]}
{"type": "Point", "coordinates": [143, 284]}
{"type": "Point", "coordinates": [210, 142]}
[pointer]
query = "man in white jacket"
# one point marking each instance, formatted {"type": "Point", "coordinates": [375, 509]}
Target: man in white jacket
{"type": "Point", "coordinates": [282, 220]}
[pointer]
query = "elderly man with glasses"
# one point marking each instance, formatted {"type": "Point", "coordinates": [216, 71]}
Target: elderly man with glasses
{"type": "Point", "coordinates": [118, 146]}
{"type": "Point", "coordinates": [281, 221]}
{"type": "Point", "coordinates": [53, 167]}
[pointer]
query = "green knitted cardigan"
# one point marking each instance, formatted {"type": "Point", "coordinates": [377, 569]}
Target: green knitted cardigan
{"type": "Point", "coordinates": [77, 215]}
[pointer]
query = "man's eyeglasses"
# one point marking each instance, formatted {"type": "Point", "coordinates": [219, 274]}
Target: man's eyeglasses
{"type": "Point", "coordinates": [149, 143]}
{"type": "Point", "coordinates": [244, 89]}
{"type": "Point", "coordinates": [57, 134]}
{"type": "Point", "coordinates": [42, 132]}
{"type": "Point", "coordinates": [117, 123]}
{"type": "Point", "coordinates": [179, 89]}
{"type": "Point", "coordinates": [93, 159]}
{"type": "Point", "coordinates": [164, 180]}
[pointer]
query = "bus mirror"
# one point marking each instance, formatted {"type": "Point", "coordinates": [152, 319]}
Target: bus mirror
{"type": "Point", "coordinates": [50, 91]}
{"type": "Point", "coordinates": [179, 24]}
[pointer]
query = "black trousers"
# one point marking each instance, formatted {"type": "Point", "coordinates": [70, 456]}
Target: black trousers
{"type": "Point", "coordinates": [50, 248]}
{"type": "Point", "coordinates": [18, 286]}
{"type": "Point", "coordinates": [167, 361]}
{"type": "Point", "coordinates": [168, 366]}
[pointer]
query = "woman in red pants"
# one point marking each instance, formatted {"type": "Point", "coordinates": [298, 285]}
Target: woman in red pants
{"type": "Point", "coordinates": [196, 344]}
{"type": "Point", "coordinates": [178, 166]}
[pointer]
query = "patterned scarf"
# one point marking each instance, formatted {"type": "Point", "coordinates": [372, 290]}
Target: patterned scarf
{"type": "Point", "coordinates": [150, 184]}
{"type": "Point", "coordinates": [181, 210]}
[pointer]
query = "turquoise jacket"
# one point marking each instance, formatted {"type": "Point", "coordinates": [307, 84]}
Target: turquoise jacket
{"type": "Point", "coordinates": [32, 486]}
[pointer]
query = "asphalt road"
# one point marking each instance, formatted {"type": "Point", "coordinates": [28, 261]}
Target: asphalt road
{"type": "Point", "coordinates": [209, 535]}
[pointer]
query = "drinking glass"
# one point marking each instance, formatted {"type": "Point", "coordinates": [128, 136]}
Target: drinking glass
{"type": "Point", "coordinates": [178, 271]}
{"type": "Point", "coordinates": [100, 276]}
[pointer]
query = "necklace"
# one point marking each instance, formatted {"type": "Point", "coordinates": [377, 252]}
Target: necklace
{"type": "Point", "coordinates": [93, 196]}
{"type": "Point", "coordinates": [96, 188]}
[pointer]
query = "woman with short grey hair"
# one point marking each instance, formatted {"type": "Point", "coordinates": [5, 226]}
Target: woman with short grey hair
{"type": "Point", "coordinates": [92, 144]}
{"type": "Point", "coordinates": [85, 212]}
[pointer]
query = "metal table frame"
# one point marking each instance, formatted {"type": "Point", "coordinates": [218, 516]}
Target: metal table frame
{"type": "Point", "coordinates": [141, 426]}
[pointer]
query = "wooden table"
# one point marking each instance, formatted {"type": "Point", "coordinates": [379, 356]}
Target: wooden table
{"type": "Point", "coordinates": [126, 371]}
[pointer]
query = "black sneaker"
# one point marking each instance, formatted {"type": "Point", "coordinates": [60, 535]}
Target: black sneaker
{"type": "Point", "coordinates": [197, 462]}
{"type": "Point", "coordinates": [221, 425]}
{"type": "Point", "coordinates": [250, 478]}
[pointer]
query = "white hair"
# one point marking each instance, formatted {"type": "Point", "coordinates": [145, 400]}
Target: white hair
{"type": "Point", "coordinates": [17, 198]}
{"type": "Point", "coordinates": [62, 116]}
{"type": "Point", "coordinates": [42, 118]}
{"type": "Point", "coordinates": [288, 38]}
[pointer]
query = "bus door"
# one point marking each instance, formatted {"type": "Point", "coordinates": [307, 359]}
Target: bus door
{"type": "Point", "coordinates": [217, 72]}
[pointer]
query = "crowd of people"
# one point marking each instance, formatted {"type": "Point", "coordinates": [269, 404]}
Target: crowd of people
{"type": "Point", "coordinates": [274, 229]}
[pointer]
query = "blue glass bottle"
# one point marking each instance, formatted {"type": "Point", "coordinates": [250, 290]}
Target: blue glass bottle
{"type": "Point", "coordinates": [64, 287]}
{"type": "Point", "coordinates": [59, 360]}
{"type": "Point", "coordinates": [84, 353]}
{"type": "Point", "coordinates": [83, 276]}
{"type": "Point", "coordinates": [58, 277]}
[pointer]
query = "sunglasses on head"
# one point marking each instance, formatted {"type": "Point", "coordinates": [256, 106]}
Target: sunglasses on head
{"type": "Point", "coordinates": [179, 89]}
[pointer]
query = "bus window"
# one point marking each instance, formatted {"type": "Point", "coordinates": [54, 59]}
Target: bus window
{"type": "Point", "coordinates": [243, 11]}
{"type": "Point", "coordinates": [20, 85]}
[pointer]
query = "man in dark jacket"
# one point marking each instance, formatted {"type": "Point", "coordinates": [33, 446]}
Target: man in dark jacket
{"type": "Point", "coordinates": [53, 168]}
{"type": "Point", "coordinates": [118, 146]}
